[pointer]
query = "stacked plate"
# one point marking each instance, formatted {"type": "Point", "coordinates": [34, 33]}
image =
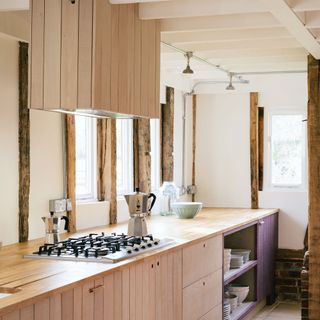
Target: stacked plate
{"type": "Point", "coordinates": [226, 311]}
{"type": "Point", "coordinates": [245, 253]}
{"type": "Point", "coordinates": [236, 261]}
{"type": "Point", "coordinates": [227, 259]}
{"type": "Point", "coordinates": [232, 299]}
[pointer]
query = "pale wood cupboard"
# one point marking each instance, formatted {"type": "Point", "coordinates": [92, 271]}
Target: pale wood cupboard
{"type": "Point", "coordinates": [94, 57]}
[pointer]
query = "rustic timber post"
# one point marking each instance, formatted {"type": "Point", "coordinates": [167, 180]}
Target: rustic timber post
{"type": "Point", "coordinates": [254, 149]}
{"type": "Point", "coordinates": [142, 157]}
{"type": "Point", "coordinates": [71, 168]}
{"type": "Point", "coordinates": [24, 144]}
{"type": "Point", "coordinates": [194, 130]}
{"type": "Point", "coordinates": [314, 186]}
{"type": "Point", "coordinates": [260, 145]}
{"type": "Point", "coordinates": [107, 164]}
{"type": "Point", "coordinates": [167, 118]}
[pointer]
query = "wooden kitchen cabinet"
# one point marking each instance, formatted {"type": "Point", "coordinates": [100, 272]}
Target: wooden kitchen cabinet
{"type": "Point", "coordinates": [92, 57]}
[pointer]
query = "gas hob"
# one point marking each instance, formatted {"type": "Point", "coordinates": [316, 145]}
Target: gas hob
{"type": "Point", "coordinates": [99, 248]}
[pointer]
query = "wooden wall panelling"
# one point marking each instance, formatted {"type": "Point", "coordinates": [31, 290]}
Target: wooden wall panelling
{"type": "Point", "coordinates": [126, 58]}
{"type": "Point", "coordinates": [15, 315]}
{"type": "Point", "coordinates": [260, 145]}
{"type": "Point", "coordinates": [42, 310]}
{"type": "Point", "coordinates": [69, 55]}
{"type": "Point", "coordinates": [52, 45]}
{"type": "Point", "coordinates": [137, 61]}
{"type": "Point", "coordinates": [167, 128]}
{"type": "Point", "coordinates": [194, 130]}
{"type": "Point", "coordinates": [114, 104]}
{"type": "Point", "coordinates": [125, 299]}
{"type": "Point", "coordinates": [108, 297]}
{"type": "Point", "coordinates": [77, 298]}
{"type": "Point", "coordinates": [24, 144]}
{"type": "Point", "coordinates": [36, 68]}
{"type": "Point", "coordinates": [148, 57]}
{"type": "Point", "coordinates": [254, 149]}
{"type": "Point", "coordinates": [156, 112]}
{"type": "Point", "coordinates": [27, 313]}
{"type": "Point", "coordinates": [102, 54]}
{"type": "Point", "coordinates": [117, 295]}
{"type": "Point", "coordinates": [99, 299]}
{"type": "Point", "coordinates": [67, 305]}
{"type": "Point", "coordinates": [85, 53]}
{"type": "Point", "coordinates": [55, 307]}
{"type": "Point", "coordinates": [314, 185]}
{"type": "Point", "coordinates": [88, 304]}
{"type": "Point", "coordinates": [71, 168]}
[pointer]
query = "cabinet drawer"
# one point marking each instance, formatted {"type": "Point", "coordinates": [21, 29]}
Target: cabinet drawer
{"type": "Point", "coordinates": [201, 259]}
{"type": "Point", "coordinates": [203, 295]}
{"type": "Point", "coordinates": [213, 314]}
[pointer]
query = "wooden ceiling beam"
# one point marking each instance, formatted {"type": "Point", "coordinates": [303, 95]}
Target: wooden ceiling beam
{"type": "Point", "coordinates": [224, 35]}
{"type": "Point", "coordinates": [281, 11]}
{"type": "Point", "coordinates": [193, 8]}
{"type": "Point", "coordinates": [237, 45]}
{"type": "Point", "coordinates": [233, 21]}
{"type": "Point", "coordinates": [304, 5]}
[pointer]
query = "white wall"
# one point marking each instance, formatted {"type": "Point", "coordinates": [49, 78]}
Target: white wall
{"type": "Point", "coordinates": [223, 172]}
{"type": "Point", "coordinates": [223, 150]}
{"type": "Point", "coordinates": [9, 178]}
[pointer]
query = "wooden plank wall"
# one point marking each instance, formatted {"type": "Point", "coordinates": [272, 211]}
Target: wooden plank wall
{"type": "Point", "coordinates": [254, 149]}
{"type": "Point", "coordinates": [167, 117]}
{"type": "Point", "coordinates": [71, 168]}
{"type": "Point", "coordinates": [24, 144]}
{"type": "Point", "coordinates": [314, 186]}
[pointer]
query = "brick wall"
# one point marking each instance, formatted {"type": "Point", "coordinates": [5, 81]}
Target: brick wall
{"type": "Point", "coordinates": [288, 274]}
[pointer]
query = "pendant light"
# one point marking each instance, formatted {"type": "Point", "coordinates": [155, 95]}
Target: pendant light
{"type": "Point", "coordinates": [188, 70]}
{"type": "Point", "coordinates": [230, 85]}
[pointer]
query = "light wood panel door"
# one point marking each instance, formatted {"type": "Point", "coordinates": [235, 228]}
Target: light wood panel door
{"type": "Point", "coordinates": [203, 295]}
{"type": "Point", "coordinates": [202, 259]}
{"type": "Point", "coordinates": [213, 314]}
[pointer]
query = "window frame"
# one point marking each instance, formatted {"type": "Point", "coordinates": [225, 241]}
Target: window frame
{"type": "Point", "coordinates": [92, 165]}
{"type": "Point", "coordinates": [268, 157]}
{"type": "Point", "coordinates": [126, 164]}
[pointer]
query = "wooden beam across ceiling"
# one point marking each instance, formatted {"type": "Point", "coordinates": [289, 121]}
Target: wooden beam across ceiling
{"type": "Point", "coordinates": [197, 8]}
{"type": "Point", "coordinates": [287, 17]}
{"type": "Point", "coordinates": [225, 22]}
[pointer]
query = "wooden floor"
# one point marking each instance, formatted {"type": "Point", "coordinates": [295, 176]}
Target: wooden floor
{"type": "Point", "coordinates": [279, 311]}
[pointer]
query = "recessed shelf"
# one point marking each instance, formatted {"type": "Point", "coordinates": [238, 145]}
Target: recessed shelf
{"type": "Point", "coordinates": [242, 310]}
{"type": "Point", "coordinates": [235, 273]}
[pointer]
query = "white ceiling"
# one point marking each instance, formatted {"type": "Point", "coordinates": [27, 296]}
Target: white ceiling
{"type": "Point", "coordinates": [241, 36]}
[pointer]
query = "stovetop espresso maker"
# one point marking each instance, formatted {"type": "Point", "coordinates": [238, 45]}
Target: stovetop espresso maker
{"type": "Point", "coordinates": [138, 209]}
{"type": "Point", "coordinates": [53, 225]}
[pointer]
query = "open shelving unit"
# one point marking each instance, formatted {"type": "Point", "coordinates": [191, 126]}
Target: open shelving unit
{"type": "Point", "coordinates": [242, 310]}
{"type": "Point", "coordinates": [233, 274]}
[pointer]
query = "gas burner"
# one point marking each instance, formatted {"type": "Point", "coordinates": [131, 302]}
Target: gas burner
{"type": "Point", "coordinates": [99, 247]}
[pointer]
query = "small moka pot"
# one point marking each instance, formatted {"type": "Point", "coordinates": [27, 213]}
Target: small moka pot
{"type": "Point", "coordinates": [53, 225]}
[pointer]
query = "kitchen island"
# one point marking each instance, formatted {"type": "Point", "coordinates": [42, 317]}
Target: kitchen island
{"type": "Point", "coordinates": [169, 283]}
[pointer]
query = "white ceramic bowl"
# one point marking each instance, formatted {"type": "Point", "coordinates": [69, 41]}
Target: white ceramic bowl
{"type": "Point", "coordinates": [233, 300]}
{"type": "Point", "coordinates": [243, 252]}
{"type": "Point", "coordinates": [186, 210]}
{"type": "Point", "coordinates": [241, 291]}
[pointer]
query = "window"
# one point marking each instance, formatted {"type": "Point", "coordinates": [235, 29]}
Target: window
{"type": "Point", "coordinates": [124, 157]}
{"type": "Point", "coordinates": [287, 150]}
{"type": "Point", "coordinates": [155, 153]}
{"type": "Point", "coordinates": [85, 158]}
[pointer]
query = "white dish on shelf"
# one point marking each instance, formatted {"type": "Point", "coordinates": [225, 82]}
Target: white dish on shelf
{"type": "Point", "coordinates": [241, 291]}
{"type": "Point", "coordinates": [245, 253]}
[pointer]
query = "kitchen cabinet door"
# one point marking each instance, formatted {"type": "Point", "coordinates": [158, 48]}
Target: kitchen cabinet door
{"type": "Point", "coordinates": [12, 316]}
{"type": "Point", "coordinates": [267, 244]}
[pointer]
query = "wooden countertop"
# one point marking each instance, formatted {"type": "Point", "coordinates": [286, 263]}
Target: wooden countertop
{"type": "Point", "coordinates": [40, 278]}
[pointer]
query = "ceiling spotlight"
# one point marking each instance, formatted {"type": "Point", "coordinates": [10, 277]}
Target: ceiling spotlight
{"type": "Point", "coordinates": [230, 85]}
{"type": "Point", "coordinates": [188, 70]}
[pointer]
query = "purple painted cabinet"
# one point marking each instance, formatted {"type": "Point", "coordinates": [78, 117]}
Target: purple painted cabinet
{"type": "Point", "coordinates": [267, 244]}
